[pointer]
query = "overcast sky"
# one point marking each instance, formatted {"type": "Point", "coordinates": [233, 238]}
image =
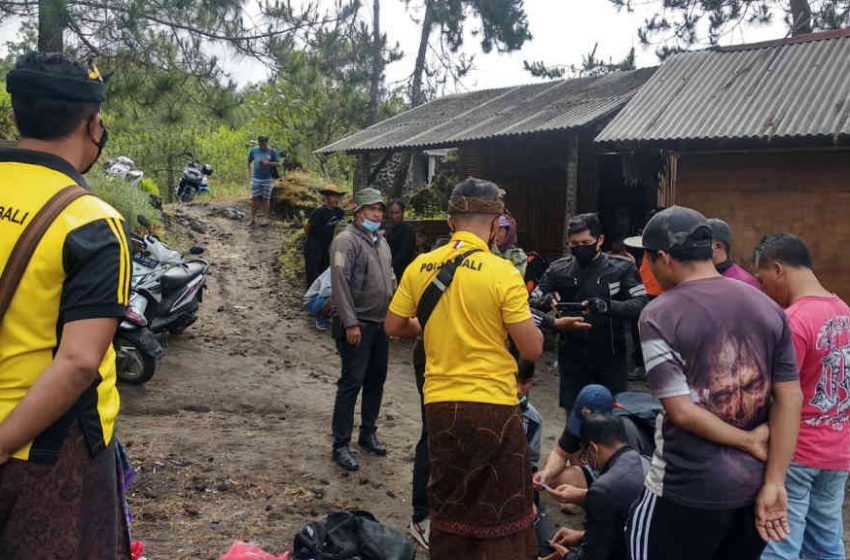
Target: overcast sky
{"type": "Point", "coordinates": [563, 31]}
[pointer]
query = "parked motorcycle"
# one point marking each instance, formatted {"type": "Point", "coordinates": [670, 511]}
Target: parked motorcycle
{"type": "Point", "coordinates": [193, 180]}
{"type": "Point", "coordinates": [166, 291]}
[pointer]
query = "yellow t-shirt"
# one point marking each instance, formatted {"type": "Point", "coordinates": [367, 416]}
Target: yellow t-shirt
{"type": "Point", "coordinates": [80, 270]}
{"type": "Point", "coordinates": [466, 336]}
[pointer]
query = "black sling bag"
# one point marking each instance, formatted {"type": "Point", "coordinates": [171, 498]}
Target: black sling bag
{"type": "Point", "coordinates": [438, 286]}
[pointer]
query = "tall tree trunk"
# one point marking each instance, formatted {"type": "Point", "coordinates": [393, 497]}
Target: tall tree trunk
{"type": "Point", "coordinates": [801, 17]}
{"type": "Point", "coordinates": [363, 167]}
{"type": "Point", "coordinates": [51, 25]}
{"type": "Point", "coordinates": [417, 96]}
{"type": "Point", "coordinates": [377, 63]}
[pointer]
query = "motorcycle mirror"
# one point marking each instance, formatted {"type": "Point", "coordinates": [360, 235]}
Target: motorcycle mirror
{"type": "Point", "coordinates": [143, 221]}
{"type": "Point", "coordinates": [196, 250]}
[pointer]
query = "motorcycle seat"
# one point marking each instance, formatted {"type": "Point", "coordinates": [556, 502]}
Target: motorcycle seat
{"type": "Point", "coordinates": [181, 275]}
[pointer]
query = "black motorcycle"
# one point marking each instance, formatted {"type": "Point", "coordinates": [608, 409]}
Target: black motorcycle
{"type": "Point", "coordinates": [166, 291]}
{"type": "Point", "coordinates": [194, 179]}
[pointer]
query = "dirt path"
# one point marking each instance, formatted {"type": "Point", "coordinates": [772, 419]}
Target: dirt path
{"type": "Point", "coordinates": [232, 435]}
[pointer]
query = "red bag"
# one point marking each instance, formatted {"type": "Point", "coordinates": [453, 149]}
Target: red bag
{"type": "Point", "coordinates": [246, 551]}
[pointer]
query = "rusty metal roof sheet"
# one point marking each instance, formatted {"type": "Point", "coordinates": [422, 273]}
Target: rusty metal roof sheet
{"type": "Point", "coordinates": [792, 88]}
{"type": "Point", "coordinates": [480, 115]}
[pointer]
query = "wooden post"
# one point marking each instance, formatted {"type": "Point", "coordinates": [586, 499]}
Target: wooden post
{"type": "Point", "coordinates": [572, 185]}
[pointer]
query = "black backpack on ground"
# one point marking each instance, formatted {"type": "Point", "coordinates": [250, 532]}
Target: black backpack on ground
{"type": "Point", "coordinates": [351, 535]}
{"type": "Point", "coordinates": [643, 412]}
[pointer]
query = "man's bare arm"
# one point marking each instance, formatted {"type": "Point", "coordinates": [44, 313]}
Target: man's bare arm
{"type": "Point", "coordinates": [74, 369]}
{"type": "Point", "coordinates": [401, 327]}
{"type": "Point", "coordinates": [528, 339]}
{"type": "Point", "coordinates": [784, 428]}
{"type": "Point", "coordinates": [686, 415]}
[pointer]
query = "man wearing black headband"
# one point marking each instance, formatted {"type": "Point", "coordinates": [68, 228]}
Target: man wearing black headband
{"type": "Point", "coordinates": [59, 492]}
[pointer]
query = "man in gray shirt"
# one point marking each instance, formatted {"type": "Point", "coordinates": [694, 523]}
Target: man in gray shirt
{"type": "Point", "coordinates": [719, 357]}
{"type": "Point", "coordinates": [363, 284]}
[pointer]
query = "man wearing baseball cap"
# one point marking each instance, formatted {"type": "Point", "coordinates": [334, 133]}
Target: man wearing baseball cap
{"type": "Point", "coordinates": [719, 357]}
{"type": "Point", "coordinates": [721, 247]}
{"type": "Point", "coordinates": [362, 284]}
{"type": "Point", "coordinates": [568, 479]}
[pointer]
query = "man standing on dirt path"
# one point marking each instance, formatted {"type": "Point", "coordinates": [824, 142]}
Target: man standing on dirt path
{"type": "Point", "coordinates": [362, 283]}
{"type": "Point", "coordinates": [719, 356]}
{"type": "Point", "coordinates": [479, 495]}
{"type": "Point", "coordinates": [262, 171]}
{"type": "Point", "coordinates": [320, 230]}
{"type": "Point", "coordinates": [59, 492]}
{"type": "Point", "coordinates": [820, 324]}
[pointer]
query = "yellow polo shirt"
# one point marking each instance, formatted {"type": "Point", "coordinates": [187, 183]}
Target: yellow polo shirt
{"type": "Point", "coordinates": [466, 336]}
{"type": "Point", "coordinates": [80, 270]}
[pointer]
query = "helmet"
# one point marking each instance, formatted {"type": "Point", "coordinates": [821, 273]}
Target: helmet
{"type": "Point", "coordinates": [207, 169]}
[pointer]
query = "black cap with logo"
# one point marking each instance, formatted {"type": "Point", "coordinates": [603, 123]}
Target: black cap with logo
{"type": "Point", "coordinates": [677, 230]}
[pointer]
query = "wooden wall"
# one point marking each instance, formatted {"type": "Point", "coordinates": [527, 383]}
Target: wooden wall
{"type": "Point", "coordinates": [533, 172]}
{"type": "Point", "coordinates": [806, 193]}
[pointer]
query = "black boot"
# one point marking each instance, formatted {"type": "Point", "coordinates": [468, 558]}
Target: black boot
{"type": "Point", "coordinates": [370, 443]}
{"type": "Point", "coordinates": [344, 458]}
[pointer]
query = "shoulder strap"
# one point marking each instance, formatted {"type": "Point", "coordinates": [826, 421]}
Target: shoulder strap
{"type": "Point", "coordinates": [438, 286]}
{"type": "Point", "coordinates": [29, 240]}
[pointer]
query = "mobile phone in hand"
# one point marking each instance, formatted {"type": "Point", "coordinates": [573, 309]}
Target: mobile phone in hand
{"type": "Point", "coordinates": [571, 308]}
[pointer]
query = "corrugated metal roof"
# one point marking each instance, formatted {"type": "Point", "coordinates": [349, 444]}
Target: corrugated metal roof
{"type": "Point", "coordinates": [455, 119]}
{"type": "Point", "coordinates": [794, 88]}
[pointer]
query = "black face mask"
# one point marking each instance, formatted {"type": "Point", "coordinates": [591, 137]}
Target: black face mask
{"type": "Point", "coordinates": [584, 254]}
{"type": "Point", "coordinates": [100, 146]}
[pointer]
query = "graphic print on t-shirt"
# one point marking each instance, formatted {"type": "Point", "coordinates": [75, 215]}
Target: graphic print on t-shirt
{"type": "Point", "coordinates": [832, 394]}
{"type": "Point", "coordinates": [723, 345]}
{"type": "Point", "coordinates": [732, 381]}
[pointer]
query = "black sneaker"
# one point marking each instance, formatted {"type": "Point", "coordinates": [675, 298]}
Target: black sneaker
{"type": "Point", "coordinates": [344, 458]}
{"type": "Point", "coordinates": [370, 443]}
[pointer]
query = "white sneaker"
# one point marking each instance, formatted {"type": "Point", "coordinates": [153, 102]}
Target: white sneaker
{"type": "Point", "coordinates": [422, 532]}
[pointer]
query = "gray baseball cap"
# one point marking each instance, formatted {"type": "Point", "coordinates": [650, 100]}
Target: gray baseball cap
{"type": "Point", "coordinates": [368, 197]}
{"type": "Point", "coordinates": [676, 230]}
{"type": "Point", "coordinates": [720, 231]}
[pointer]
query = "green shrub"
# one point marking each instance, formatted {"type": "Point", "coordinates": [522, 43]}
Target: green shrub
{"type": "Point", "coordinates": [291, 257]}
{"type": "Point", "coordinates": [130, 201]}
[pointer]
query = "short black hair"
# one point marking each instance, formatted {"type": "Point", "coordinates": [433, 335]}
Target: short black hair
{"type": "Point", "coordinates": [585, 222]}
{"type": "Point", "coordinates": [785, 248]}
{"type": "Point", "coordinates": [603, 429]}
{"type": "Point", "coordinates": [398, 203]}
{"type": "Point", "coordinates": [46, 119]}
{"type": "Point", "coordinates": [262, 138]}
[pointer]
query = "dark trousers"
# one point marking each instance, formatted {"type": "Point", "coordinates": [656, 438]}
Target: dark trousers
{"type": "Point", "coordinates": [659, 529]}
{"type": "Point", "coordinates": [364, 367]}
{"type": "Point", "coordinates": [316, 260]}
{"type": "Point", "coordinates": [576, 375]}
{"type": "Point", "coordinates": [420, 461]}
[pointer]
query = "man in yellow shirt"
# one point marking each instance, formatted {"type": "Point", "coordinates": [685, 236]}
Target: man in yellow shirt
{"type": "Point", "coordinates": [480, 494]}
{"type": "Point", "coordinates": [59, 494]}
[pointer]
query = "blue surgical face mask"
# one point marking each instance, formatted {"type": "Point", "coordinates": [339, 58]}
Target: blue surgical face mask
{"type": "Point", "coordinates": [370, 226]}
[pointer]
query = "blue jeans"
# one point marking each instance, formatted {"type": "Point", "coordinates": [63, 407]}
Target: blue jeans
{"type": "Point", "coordinates": [815, 498]}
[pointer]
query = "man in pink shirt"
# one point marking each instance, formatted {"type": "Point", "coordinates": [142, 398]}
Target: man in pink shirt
{"type": "Point", "coordinates": [820, 326]}
{"type": "Point", "coordinates": [721, 253]}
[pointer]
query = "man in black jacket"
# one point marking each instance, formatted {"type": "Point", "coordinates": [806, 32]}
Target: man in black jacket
{"type": "Point", "coordinates": [610, 291]}
{"type": "Point", "coordinates": [622, 471]}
